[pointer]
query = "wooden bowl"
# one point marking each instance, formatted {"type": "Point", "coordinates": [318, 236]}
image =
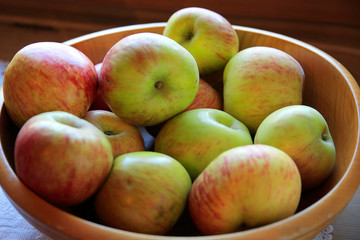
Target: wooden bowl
{"type": "Point", "coordinates": [329, 88]}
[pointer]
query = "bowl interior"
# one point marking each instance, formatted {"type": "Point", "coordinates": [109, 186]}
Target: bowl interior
{"type": "Point", "coordinates": [328, 87]}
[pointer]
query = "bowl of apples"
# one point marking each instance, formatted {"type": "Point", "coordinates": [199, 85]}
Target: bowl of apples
{"type": "Point", "coordinates": [188, 129]}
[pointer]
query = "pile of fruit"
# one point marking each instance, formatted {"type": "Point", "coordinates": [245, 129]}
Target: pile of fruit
{"type": "Point", "coordinates": [236, 155]}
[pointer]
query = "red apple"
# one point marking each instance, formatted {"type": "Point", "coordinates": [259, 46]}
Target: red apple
{"type": "Point", "coordinates": [48, 76]}
{"type": "Point", "coordinates": [61, 157]}
{"type": "Point", "coordinates": [206, 97]}
{"type": "Point", "coordinates": [124, 137]}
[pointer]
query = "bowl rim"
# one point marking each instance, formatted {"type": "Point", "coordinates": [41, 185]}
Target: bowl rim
{"type": "Point", "coordinates": [347, 185]}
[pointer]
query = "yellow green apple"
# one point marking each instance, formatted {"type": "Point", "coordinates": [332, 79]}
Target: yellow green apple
{"type": "Point", "coordinates": [207, 35]}
{"type": "Point", "coordinates": [198, 136]}
{"type": "Point", "coordinates": [145, 192]}
{"type": "Point", "coordinates": [303, 133]}
{"type": "Point", "coordinates": [259, 80]}
{"type": "Point", "coordinates": [146, 78]}
{"type": "Point", "coordinates": [246, 186]}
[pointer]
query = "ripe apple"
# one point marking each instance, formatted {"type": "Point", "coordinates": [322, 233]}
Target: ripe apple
{"type": "Point", "coordinates": [245, 186]}
{"type": "Point", "coordinates": [207, 35]}
{"type": "Point", "coordinates": [146, 78]}
{"type": "Point", "coordinates": [48, 76]}
{"type": "Point", "coordinates": [61, 157]}
{"type": "Point", "coordinates": [303, 133]}
{"type": "Point", "coordinates": [124, 137]}
{"type": "Point", "coordinates": [145, 192]}
{"type": "Point", "coordinates": [260, 80]}
{"type": "Point", "coordinates": [198, 136]}
{"type": "Point", "coordinates": [206, 97]}
{"type": "Point", "coordinates": [99, 103]}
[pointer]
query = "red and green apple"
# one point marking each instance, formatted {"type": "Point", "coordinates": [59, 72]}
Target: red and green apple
{"type": "Point", "coordinates": [48, 76]}
{"type": "Point", "coordinates": [61, 157]}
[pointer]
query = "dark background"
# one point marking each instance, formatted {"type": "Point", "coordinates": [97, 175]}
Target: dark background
{"type": "Point", "coordinates": [330, 25]}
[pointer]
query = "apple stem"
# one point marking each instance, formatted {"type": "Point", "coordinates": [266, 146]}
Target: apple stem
{"type": "Point", "coordinates": [189, 36]}
{"type": "Point", "coordinates": [325, 137]}
{"type": "Point", "coordinates": [158, 84]}
{"type": "Point", "coordinates": [109, 133]}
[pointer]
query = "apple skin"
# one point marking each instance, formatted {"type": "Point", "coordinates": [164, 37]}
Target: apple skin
{"type": "Point", "coordinates": [198, 136]}
{"type": "Point", "coordinates": [146, 78]}
{"type": "Point", "coordinates": [259, 80]}
{"type": "Point", "coordinates": [99, 103]}
{"type": "Point", "coordinates": [207, 35]}
{"type": "Point", "coordinates": [303, 133]}
{"type": "Point", "coordinates": [145, 192]}
{"type": "Point", "coordinates": [124, 137]}
{"type": "Point", "coordinates": [48, 76]}
{"type": "Point", "coordinates": [61, 157]}
{"type": "Point", "coordinates": [248, 186]}
{"type": "Point", "coordinates": [206, 97]}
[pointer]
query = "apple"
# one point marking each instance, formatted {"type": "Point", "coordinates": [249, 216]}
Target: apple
{"type": "Point", "coordinates": [207, 35]}
{"type": "Point", "coordinates": [247, 186]}
{"type": "Point", "coordinates": [99, 103]}
{"type": "Point", "coordinates": [303, 133]}
{"type": "Point", "coordinates": [259, 80]}
{"type": "Point", "coordinates": [206, 97]}
{"type": "Point", "coordinates": [146, 78]}
{"type": "Point", "coordinates": [145, 192]}
{"type": "Point", "coordinates": [198, 136]}
{"type": "Point", "coordinates": [61, 157]}
{"type": "Point", "coordinates": [124, 137]}
{"type": "Point", "coordinates": [48, 76]}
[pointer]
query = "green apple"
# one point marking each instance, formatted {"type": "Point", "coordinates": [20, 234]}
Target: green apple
{"type": "Point", "coordinates": [248, 186]}
{"type": "Point", "coordinates": [207, 35]}
{"type": "Point", "coordinates": [303, 133]}
{"type": "Point", "coordinates": [61, 157]}
{"type": "Point", "coordinates": [124, 137]}
{"type": "Point", "coordinates": [145, 192]}
{"type": "Point", "coordinates": [48, 76]}
{"type": "Point", "coordinates": [146, 78]}
{"type": "Point", "coordinates": [260, 80]}
{"type": "Point", "coordinates": [198, 136]}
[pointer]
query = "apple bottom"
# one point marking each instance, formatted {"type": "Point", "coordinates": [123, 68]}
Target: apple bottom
{"type": "Point", "coordinates": [248, 186]}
